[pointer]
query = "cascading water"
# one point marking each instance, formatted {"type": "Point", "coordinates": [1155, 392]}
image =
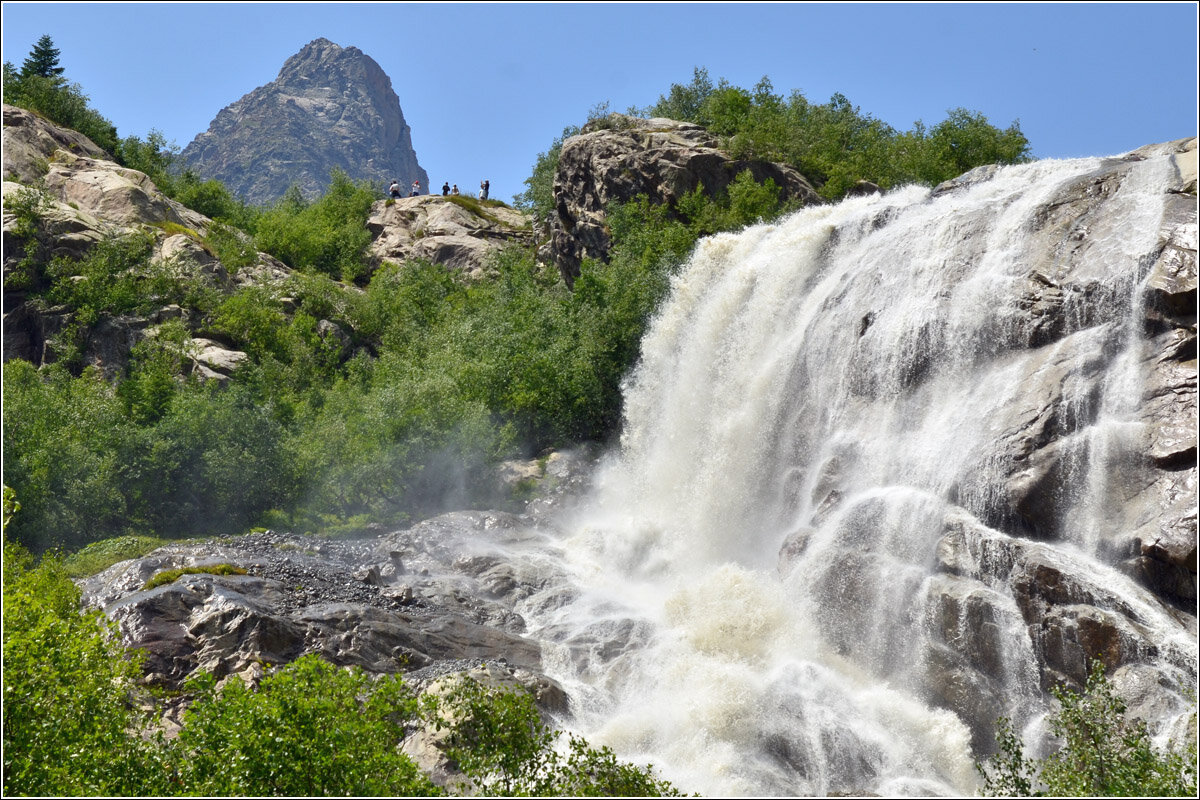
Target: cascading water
{"type": "Point", "coordinates": [797, 576]}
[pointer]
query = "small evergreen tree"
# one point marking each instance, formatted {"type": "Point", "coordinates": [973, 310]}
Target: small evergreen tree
{"type": "Point", "coordinates": [43, 60]}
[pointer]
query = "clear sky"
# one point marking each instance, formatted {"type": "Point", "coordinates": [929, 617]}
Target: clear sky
{"type": "Point", "coordinates": [487, 86]}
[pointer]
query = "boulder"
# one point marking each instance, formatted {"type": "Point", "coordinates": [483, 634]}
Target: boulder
{"type": "Point", "coordinates": [409, 600]}
{"type": "Point", "coordinates": [461, 235]}
{"type": "Point", "coordinates": [114, 193]}
{"type": "Point", "coordinates": [620, 157]}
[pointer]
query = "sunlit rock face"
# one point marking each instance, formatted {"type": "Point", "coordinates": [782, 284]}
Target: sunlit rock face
{"type": "Point", "coordinates": [461, 236]}
{"type": "Point", "coordinates": [617, 158]}
{"type": "Point", "coordinates": [329, 108]}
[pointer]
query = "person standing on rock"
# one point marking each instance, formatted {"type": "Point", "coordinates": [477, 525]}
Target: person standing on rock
{"type": "Point", "coordinates": [416, 189]}
{"type": "Point", "coordinates": [454, 191]}
{"type": "Point", "coordinates": [483, 189]}
{"type": "Point", "coordinates": [394, 189]}
{"type": "Point", "coordinates": [445, 189]}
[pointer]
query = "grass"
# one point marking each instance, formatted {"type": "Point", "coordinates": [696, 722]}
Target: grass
{"type": "Point", "coordinates": [99, 556]}
{"type": "Point", "coordinates": [476, 207]}
{"type": "Point", "coordinates": [172, 575]}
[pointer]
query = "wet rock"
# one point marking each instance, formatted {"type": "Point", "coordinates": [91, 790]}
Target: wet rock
{"type": "Point", "coordinates": [351, 601]}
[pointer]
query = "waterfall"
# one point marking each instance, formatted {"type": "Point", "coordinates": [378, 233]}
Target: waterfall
{"type": "Point", "coordinates": [852, 436]}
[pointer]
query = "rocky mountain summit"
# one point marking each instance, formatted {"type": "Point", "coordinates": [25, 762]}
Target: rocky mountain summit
{"type": "Point", "coordinates": [330, 107]}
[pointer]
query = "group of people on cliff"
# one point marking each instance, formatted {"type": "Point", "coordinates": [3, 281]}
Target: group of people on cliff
{"type": "Point", "coordinates": [447, 190]}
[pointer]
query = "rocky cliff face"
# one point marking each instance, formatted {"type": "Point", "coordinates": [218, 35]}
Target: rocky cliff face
{"type": "Point", "coordinates": [331, 107]}
{"type": "Point", "coordinates": [620, 157]}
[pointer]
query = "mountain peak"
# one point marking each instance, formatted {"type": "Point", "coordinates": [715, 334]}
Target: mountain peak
{"type": "Point", "coordinates": [331, 107]}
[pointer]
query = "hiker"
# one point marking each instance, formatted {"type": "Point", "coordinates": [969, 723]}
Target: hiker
{"type": "Point", "coordinates": [445, 189]}
{"type": "Point", "coordinates": [483, 189]}
{"type": "Point", "coordinates": [454, 191]}
{"type": "Point", "coordinates": [416, 189]}
{"type": "Point", "coordinates": [394, 189]}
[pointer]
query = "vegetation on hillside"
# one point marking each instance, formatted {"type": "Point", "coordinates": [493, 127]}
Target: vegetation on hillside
{"type": "Point", "coordinates": [835, 144]}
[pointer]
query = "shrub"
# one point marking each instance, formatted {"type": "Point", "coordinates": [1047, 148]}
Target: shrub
{"type": "Point", "coordinates": [99, 556]}
{"type": "Point", "coordinates": [309, 730]}
{"type": "Point", "coordinates": [1102, 753]}
{"type": "Point", "coordinates": [497, 739]}
{"type": "Point", "coordinates": [69, 728]}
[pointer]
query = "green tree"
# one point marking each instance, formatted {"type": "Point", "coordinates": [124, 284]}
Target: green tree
{"type": "Point", "coordinates": [538, 196]}
{"type": "Point", "coordinates": [42, 60]}
{"type": "Point", "coordinates": [1102, 753]}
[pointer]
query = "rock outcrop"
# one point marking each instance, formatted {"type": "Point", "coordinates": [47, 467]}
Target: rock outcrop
{"type": "Point", "coordinates": [64, 199]}
{"type": "Point", "coordinates": [436, 598]}
{"type": "Point", "coordinates": [329, 108]}
{"type": "Point", "coordinates": [459, 233]}
{"type": "Point", "coordinates": [619, 157]}
{"type": "Point", "coordinates": [29, 140]}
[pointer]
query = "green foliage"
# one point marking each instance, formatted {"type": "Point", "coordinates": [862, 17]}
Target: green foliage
{"type": "Point", "coordinates": [99, 556]}
{"type": "Point", "coordinates": [62, 103]}
{"type": "Point", "coordinates": [538, 197]}
{"type": "Point", "coordinates": [65, 441]}
{"type": "Point", "coordinates": [1103, 753]}
{"type": "Point", "coordinates": [498, 740]}
{"type": "Point", "coordinates": [329, 235]}
{"type": "Point", "coordinates": [835, 144]}
{"type": "Point", "coordinates": [231, 247]}
{"type": "Point", "coordinates": [475, 206]}
{"type": "Point", "coordinates": [26, 205]}
{"type": "Point", "coordinates": [42, 60]}
{"type": "Point", "coordinates": [309, 730]}
{"type": "Point", "coordinates": [171, 575]}
{"type": "Point", "coordinates": [69, 728]}
{"type": "Point", "coordinates": [115, 277]}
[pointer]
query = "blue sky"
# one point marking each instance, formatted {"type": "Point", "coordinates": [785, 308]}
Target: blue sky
{"type": "Point", "coordinates": [487, 86]}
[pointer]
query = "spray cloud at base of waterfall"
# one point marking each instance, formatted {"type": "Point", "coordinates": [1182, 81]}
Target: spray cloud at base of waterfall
{"type": "Point", "coordinates": [813, 551]}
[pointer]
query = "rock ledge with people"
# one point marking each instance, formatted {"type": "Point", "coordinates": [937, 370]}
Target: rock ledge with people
{"type": "Point", "coordinates": [454, 230]}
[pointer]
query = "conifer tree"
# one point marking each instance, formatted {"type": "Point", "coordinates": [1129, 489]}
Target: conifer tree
{"type": "Point", "coordinates": [42, 60]}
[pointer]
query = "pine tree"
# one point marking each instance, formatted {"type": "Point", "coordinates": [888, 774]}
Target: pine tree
{"type": "Point", "coordinates": [42, 60]}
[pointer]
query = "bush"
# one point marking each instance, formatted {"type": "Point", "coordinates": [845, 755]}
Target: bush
{"type": "Point", "coordinates": [1102, 753]}
{"type": "Point", "coordinates": [69, 728]}
{"type": "Point", "coordinates": [836, 144]}
{"type": "Point", "coordinates": [499, 742]}
{"type": "Point", "coordinates": [99, 556]}
{"type": "Point", "coordinates": [329, 235]}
